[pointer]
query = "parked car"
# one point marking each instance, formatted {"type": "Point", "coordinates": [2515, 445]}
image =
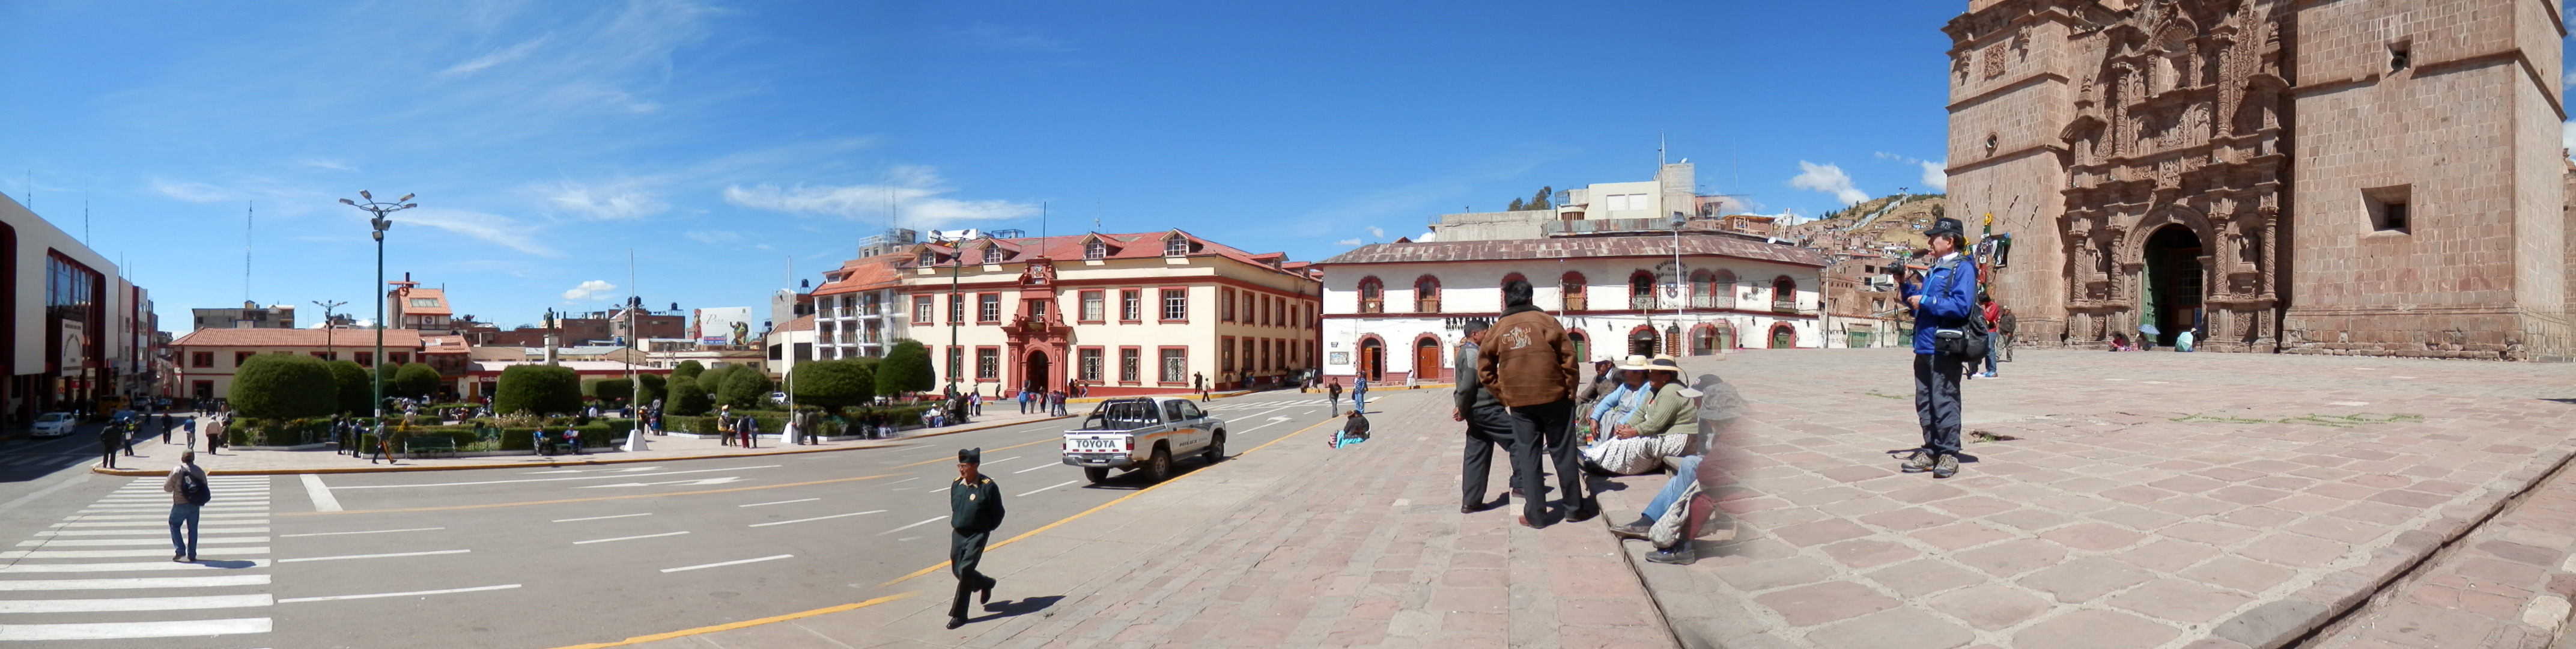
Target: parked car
{"type": "Point", "coordinates": [53, 424]}
{"type": "Point", "coordinates": [1144, 434]}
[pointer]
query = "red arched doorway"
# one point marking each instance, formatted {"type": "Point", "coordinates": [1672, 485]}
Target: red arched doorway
{"type": "Point", "coordinates": [1426, 359]}
{"type": "Point", "coordinates": [1373, 359]}
{"type": "Point", "coordinates": [1784, 336]}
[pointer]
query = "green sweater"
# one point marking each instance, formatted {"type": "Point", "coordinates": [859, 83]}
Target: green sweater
{"type": "Point", "coordinates": [1666, 412]}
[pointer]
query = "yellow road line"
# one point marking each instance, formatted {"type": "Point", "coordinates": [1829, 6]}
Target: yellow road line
{"type": "Point", "coordinates": [1088, 512]}
{"type": "Point", "coordinates": [728, 626]}
{"type": "Point", "coordinates": [585, 500]}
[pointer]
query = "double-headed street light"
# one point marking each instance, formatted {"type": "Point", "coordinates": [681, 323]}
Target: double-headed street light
{"type": "Point", "coordinates": [382, 222]}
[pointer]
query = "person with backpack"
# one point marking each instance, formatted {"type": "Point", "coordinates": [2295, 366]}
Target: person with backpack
{"type": "Point", "coordinates": [188, 494]}
{"type": "Point", "coordinates": [1945, 332]}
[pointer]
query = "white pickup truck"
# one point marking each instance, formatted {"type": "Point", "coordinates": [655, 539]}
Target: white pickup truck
{"type": "Point", "coordinates": [1143, 433]}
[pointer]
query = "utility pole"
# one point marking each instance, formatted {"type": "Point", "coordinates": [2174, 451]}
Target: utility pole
{"type": "Point", "coordinates": [383, 221]}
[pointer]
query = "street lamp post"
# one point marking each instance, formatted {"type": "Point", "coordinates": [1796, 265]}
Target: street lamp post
{"type": "Point", "coordinates": [383, 212]}
{"type": "Point", "coordinates": [327, 348]}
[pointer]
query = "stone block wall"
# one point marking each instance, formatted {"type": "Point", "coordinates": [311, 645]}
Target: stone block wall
{"type": "Point", "coordinates": [2010, 82]}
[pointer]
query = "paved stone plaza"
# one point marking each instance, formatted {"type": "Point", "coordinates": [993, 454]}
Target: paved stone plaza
{"type": "Point", "coordinates": [2122, 500]}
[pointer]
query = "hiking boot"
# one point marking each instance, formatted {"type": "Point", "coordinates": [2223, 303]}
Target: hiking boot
{"type": "Point", "coordinates": [1681, 554]}
{"type": "Point", "coordinates": [1948, 466]}
{"type": "Point", "coordinates": [1631, 532]}
{"type": "Point", "coordinates": [1919, 462]}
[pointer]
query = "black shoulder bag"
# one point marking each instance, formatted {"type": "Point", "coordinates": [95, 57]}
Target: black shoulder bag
{"type": "Point", "coordinates": [1965, 342]}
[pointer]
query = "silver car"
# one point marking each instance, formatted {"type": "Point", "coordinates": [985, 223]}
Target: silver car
{"type": "Point", "coordinates": [53, 424]}
{"type": "Point", "coordinates": [1145, 434]}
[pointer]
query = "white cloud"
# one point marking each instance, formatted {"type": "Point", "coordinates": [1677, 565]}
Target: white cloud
{"type": "Point", "coordinates": [1936, 176]}
{"type": "Point", "coordinates": [713, 237]}
{"type": "Point", "coordinates": [1377, 232]}
{"type": "Point", "coordinates": [1427, 236]}
{"type": "Point", "coordinates": [333, 165]}
{"type": "Point", "coordinates": [916, 191]}
{"type": "Point", "coordinates": [1347, 242]}
{"type": "Point", "coordinates": [1828, 179]}
{"type": "Point", "coordinates": [194, 192]}
{"type": "Point", "coordinates": [490, 228]}
{"type": "Point", "coordinates": [621, 201]}
{"type": "Point", "coordinates": [505, 55]}
{"type": "Point", "coordinates": [588, 290]}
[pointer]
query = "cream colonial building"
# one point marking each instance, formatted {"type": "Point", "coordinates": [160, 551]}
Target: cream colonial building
{"type": "Point", "coordinates": [1140, 313]}
{"type": "Point", "coordinates": [1392, 311]}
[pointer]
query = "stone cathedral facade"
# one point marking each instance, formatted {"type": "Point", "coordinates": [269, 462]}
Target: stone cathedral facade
{"type": "Point", "coordinates": [2378, 177]}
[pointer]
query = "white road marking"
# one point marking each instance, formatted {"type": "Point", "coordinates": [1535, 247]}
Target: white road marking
{"type": "Point", "coordinates": [124, 567]}
{"type": "Point", "coordinates": [60, 543]}
{"type": "Point", "coordinates": [105, 554]}
{"type": "Point", "coordinates": [323, 501]}
{"type": "Point", "coordinates": [628, 538]}
{"type": "Point", "coordinates": [817, 518]}
{"type": "Point", "coordinates": [595, 518]}
{"type": "Point", "coordinates": [375, 556]}
{"type": "Point", "coordinates": [1034, 468]}
{"type": "Point", "coordinates": [162, 532]}
{"type": "Point", "coordinates": [586, 477]}
{"type": "Point", "coordinates": [703, 481]}
{"type": "Point", "coordinates": [189, 603]}
{"type": "Point", "coordinates": [134, 582]}
{"type": "Point", "coordinates": [1007, 459]}
{"type": "Point", "coordinates": [1059, 484]}
{"type": "Point", "coordinates": [412, 529]}
{"type": "Point", "coordinates": [940, 489]}
{"type": "Point", "coordinates": [113, 630]}
{"type": "Point", "coordinates": [291, 600]}
{"type": "Point", "coordinates": [905, 480]}
{"type": "Point", "coordinates": [161, 521]}
{"type": "Point", "coordinates": [914, 525]}
{"type": "Point", "coordinates": [729, 563]}
{"type": "Point", "coordinates": [780, 502]}
{"type": "Point", "coordinates": [166, 506]}
{"type": "Point", "coordinates": [210, 519]}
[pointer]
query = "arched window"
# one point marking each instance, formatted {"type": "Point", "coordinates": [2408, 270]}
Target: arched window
{"type": "Point", "coordinates": [1784, 294]}
{"type": "Point", "coordinates": [1703, 340]}
{"type": "Point", "coordinates": [1571, 289]}
{"type": "Point", "coordinates": [1641, 290]}
{"type": "Point", "coordinates": [1372, 295]}
{"type": "Point", "coordinates": [1721, 285]}
{"type": "Point", "coordinates": [1703, 289]}
{"type": "Point", "coordinates": [1426, 294]}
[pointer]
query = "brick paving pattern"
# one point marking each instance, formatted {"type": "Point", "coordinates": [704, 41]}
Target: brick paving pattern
{"type": "Point", "coordinates": [2135, 500]}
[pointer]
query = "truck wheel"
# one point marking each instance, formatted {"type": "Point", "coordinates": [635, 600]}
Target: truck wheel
{"type": "Point", "coordinates": [1159, 468]}
{"type": "Point", "coordinates": [1095, 474]}
{"type": "Point", "coordinates": [1216, 448]}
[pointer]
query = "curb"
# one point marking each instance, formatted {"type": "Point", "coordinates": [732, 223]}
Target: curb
{"type": "Point", "coordinates": [404, 469]}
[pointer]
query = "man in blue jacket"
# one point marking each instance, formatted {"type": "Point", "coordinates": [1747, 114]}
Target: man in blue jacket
{"type": "Point", "coordinates": [1946, 299]}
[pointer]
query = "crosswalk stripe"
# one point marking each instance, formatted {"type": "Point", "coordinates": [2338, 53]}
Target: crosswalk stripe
{"type": "Point", "coordinates": [111, 554]}
{"type": "Point", "coordinates": [136, 517]}
{"type": "Point", "coordinates": [164, 523]}
{"type": "Point", "coordinates": [134, 582]}
{"type": "Point", "coordinates": [200, 530]}
{"type": "Point", "coordinates": [114, 630]}
{"type": "Point", "coordinates": [126, 566]}
{"type": "Point", "coordinates": [61, 543]}
{"type": "Point", "coordinates": [186, 603]}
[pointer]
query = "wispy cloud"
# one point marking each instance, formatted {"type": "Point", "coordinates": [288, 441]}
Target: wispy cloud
{"type": "Point", "coordinates": [1828, 179]}
{"type": "Point", "coordinates": [333, 165]}
{"type": "Point", "coordinates": [1347, 242]}
{"type": "Point", "coordinates": [193, 192]}
{"type": "Point", "coordinates": [1377, 232]}
{"type": "Point", "coordinates": [590, 289]}
{"type": "Point", "coordinates": [916, 193]}
{"type": "Point", "coordinates": [713, 237]}
{"type": "Point", "coordinates": [621, 201]}
{"type": "Point", "coordinates": [505, 55]}
{"type": "Point", "coordinates": [1936, 175]}
{"type": "Point", "coordinates": [1427, 236]}
{"type": "Point", "coordinates": [489, 228]}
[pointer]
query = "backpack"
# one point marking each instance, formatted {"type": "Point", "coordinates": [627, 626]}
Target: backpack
{"type": "Point", "coordinates": [192, 485]}
{"type": "Point", "coordinates": [1968, 341]}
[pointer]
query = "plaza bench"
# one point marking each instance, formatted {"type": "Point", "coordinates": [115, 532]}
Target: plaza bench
{"type": "Point", "coordinates": [417, 447]}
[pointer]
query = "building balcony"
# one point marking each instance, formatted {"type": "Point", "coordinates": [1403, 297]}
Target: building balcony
{"type": "Point", "coordinates": [1784, 306]}
{"type": "Point", "coordinates": [1641, 302]}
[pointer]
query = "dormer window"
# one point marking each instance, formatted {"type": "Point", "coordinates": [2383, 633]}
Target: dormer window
{"type": "Point", "coordinates": [1176, 247]}
{"type": "Point", "coordinates": [928, 259]}
{"type": "Point", "coordinates": [1095, 250]}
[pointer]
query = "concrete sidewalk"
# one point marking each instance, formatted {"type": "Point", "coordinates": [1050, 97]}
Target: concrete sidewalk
{"type": "Point", "coordinates": [157, 458]}
{"type": "Point", "coordinates": [2128, 500]}
{"type": "Point", "coordinates": [1288, 545]}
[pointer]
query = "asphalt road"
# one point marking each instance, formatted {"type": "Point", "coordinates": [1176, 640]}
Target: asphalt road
{"type": "Point", "coordinates": [522, 557]}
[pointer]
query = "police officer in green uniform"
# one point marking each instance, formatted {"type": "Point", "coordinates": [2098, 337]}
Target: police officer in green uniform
{"type": "Point", "coordinates": [974, 509]}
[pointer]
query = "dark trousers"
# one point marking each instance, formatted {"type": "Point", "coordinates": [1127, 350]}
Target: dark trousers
{"type": "Point", "coordinates": [107, 455]}
{"type": "Point", "coordinates": [1547, 429]}
{"type": "Point", "coordinates": [1936, 400]}
{"type": "Point", "coordinates": [965, 554]}
{"type": "Point", "coordinates": [1487, 428]}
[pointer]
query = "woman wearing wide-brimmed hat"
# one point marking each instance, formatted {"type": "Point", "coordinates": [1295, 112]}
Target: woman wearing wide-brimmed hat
{"type": "Point", "coordinates": [1661, 426]}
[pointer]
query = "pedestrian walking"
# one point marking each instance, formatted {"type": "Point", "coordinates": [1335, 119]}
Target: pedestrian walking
{"type": "Point", "coordinates": [974, 511]}
{"type": "Point", "coordinates": [385, 445]}
{"type": "Point", "coordinates": [1943, 302]}
{"type": "Point", "coordinates": [2006, 326]}
{"type": "Point", "coordinates": [1532, 371]}
{"type": "Point", "coordinates": [107, 446]}
{"type": "Point", "coordinates": [188, 494]}
{"type": "Point", "coordinates": [165, 428]}
{"type": "Point", "coordinates": [1198, 382]}
{"type": "Point", "coordinates": [1359, 393]}
{"type": "Point", "coordinates": [1488, 425]}
{"type": "Point", "coordinates": [1333, 397]}
{"type": "Point", "coordinates": [190, 425]}
{"type": "Point", "coordinates": [976, 402]}
{"type": "Point", "coordinates": [1993, 314]}
{"type": "Point", "coordinates": [125, 430]}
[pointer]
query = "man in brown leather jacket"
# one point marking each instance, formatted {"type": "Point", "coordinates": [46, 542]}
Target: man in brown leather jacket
{"type": "Point", "coordinates": [1528, 365]}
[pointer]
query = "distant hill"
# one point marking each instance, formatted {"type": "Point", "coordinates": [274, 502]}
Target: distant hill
{"type": "Point", "coordinates": [1899, 219]}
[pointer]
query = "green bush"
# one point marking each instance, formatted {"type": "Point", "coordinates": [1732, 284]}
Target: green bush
{"type": "Point", "coordinates": [250, 431]}
{"type": "Point", "coordinates": [650, 388]}
{"type": "Point", "coordinates": [537, 389]}
{"type": "Point", "coordinates": [609, 390]}
{"type": "Point", "coordinates": [687, 399]}
{"type": "Point", "coordinates": [355, 391]}
{"type": "Point", "coordinates": [284, 386]}
{"type": "Point", "coordinates": [688, 370]}
{"type": "Point", "coordinates": [417, 380]}
{"type": "Point", "coordinates": [744, 387]}
{"type": "Point", "coordinates": [835, 384]}
{"type": "Point", "coordinates": [906, 368]}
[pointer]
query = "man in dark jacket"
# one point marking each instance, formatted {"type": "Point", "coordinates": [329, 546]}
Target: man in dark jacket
{"type": "Point", "coordinates": [1488, 425]}
{"type": "Point", "coordinates": [1942, 303]}
{"type": "Point", "coordinates": [2007, 326]}
{"type": "Point", "coordinates": [1529, 366]}
{"type": "Point", "coordinates": [974, 510]}
{"type": "Point", "coordinates": [107, 445]}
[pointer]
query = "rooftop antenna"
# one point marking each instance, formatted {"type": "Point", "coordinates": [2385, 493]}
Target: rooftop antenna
{"type": "Point", "coordinates": [1659, 151]}
{"type": "Point", "coordinates": [85, 240]}
{"type": "Point", "coordinates": [1042, 214]}
{"type": "Point", "coordinates": [250, 211]}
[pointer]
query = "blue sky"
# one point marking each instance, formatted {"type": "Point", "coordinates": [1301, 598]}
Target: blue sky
{"type": "Point", "coordinates": [721, 140]}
